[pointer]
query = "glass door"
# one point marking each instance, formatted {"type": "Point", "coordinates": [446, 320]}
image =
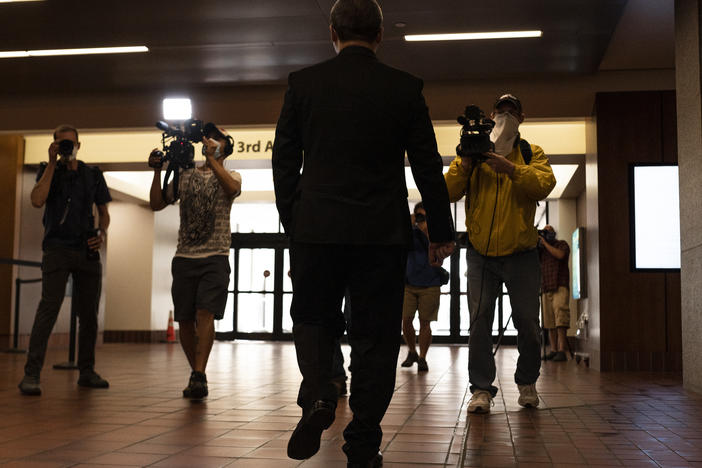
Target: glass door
{"type": "Point", "coordinates": [255, 302]}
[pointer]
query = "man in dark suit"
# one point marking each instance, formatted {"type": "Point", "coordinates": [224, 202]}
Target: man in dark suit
{"type": "Point", "coordinates": [350, 120]}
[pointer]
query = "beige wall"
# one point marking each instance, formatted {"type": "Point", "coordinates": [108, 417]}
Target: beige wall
{"type": "Point", "coordinates": [128, 283]}
{"type": "Point", "coordinates": [590, 305]}
{"type": "Point", "coordinates": [563, 217]}
{"type": "Point", "coordinates": [165, 235]}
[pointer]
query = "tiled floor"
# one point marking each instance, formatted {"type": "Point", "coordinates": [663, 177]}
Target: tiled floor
{"type": "Point", "coordinates": [586, 418]}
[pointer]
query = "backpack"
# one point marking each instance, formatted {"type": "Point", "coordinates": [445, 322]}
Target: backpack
{"type": "Point", "coordinates": [525, 148]}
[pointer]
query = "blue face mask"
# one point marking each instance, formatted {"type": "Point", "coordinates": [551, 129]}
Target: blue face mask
{"type": "Point", "coordinates": [218, 151]}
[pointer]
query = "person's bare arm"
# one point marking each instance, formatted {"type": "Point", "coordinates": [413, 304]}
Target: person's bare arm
{"type": "Point", "coordinates": [156, 195]}
{"type": "Point", "coordinates": [103, 223]}
{"type": "Point", "coordinates": [230, 185]}
{"type": "Point", "coordinates": [40, 192]}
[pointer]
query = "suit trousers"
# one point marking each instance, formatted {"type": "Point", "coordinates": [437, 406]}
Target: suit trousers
{"type": "Point", "coordinates": [57, 264]}
{"type": "Point", "coordinates": [521, 274]}
{"type": "Point", "coordinates": [374, 276]}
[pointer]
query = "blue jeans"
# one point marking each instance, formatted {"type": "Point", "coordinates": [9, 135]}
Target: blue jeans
{"type": "Point", "coordinates": [521, 274]}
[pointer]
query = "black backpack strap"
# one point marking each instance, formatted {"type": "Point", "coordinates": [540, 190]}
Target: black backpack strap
{"type": "Point", "coordinates": [525, 148]}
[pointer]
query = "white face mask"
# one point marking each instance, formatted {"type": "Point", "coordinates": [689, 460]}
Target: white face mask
{"type": "Point", "coordinates": [504, 133]}
{"type": "Point", "coordinates": [217, 153]}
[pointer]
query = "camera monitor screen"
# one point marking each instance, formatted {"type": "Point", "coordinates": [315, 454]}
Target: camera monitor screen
{"type": "Point", "coordinates": [656, 217]}
{"type": "Point", "coordinates": [578, 264]}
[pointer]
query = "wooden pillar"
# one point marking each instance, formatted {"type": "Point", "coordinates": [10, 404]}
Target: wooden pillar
{"type": "Point", "coordinates": [11, 159]}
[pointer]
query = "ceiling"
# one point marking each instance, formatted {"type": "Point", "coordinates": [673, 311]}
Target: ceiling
{"type": "Point", "coordinates": [237, 42]}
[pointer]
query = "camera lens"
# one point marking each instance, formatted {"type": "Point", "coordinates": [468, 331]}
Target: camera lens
{"type": "Point", "coordinates": [65, 147]}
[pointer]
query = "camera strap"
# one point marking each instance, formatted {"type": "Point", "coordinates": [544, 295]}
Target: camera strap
{"type": "Point", "coordinates": [172, 169]}
{"type": "Point", "coordinates": [525, 148]}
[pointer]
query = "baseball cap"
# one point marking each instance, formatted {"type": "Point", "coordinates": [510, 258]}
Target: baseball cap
{"type": "Point", "coordinates": [512, 99]}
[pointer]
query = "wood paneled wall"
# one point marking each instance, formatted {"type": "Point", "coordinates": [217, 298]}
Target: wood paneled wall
{"type": "Point", "coordinates": [639, 313]}
{"type": "Point", "coordinates": [11, 158]}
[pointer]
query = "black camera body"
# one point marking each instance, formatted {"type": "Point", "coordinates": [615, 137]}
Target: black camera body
{"type": "Point", "coordinates": [179, 152]}
{"type": "Point", "coordinates": [547, 235]}
{"type": "Point", "coordinates": [90, 254]}
{"type": "Point", "coordinates": [65, 147]}
{"type": "Point", "coordinates": [475, 134]}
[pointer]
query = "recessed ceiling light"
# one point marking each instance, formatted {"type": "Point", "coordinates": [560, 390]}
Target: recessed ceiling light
{"type": "Point", "coordinates": [473, 36]}
{"type": "Point", "coordinates": [400, 24]}
{"type": "Point", "coordinates": [89, 51]}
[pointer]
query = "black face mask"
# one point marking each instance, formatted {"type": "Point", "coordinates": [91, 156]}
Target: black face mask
{"type": "Point", "coordinates": [419, 217]}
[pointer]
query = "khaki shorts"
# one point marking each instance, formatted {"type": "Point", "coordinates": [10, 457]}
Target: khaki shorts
{"type": "Point", "coordinates": [422, 299]}
{"type": "Point", "coordinates": [554, 306]}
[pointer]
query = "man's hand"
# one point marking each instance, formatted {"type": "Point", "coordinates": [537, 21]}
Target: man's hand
{"type": "Point", "coordinates": [211, 146]}
{"type": "Point", "coordinates": [94, 243]}
{"type": "Point", "coordinates": [499, 164]}
{"type": "Point", "coordinates": [438, 251]}
{"type": "Point", "coordinates": [155, 159]}
{"type": "Point", "coordinates": [53, 152]}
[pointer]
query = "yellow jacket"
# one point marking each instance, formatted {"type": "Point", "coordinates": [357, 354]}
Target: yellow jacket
{"type": "Point", "coordinates": [513, 226]}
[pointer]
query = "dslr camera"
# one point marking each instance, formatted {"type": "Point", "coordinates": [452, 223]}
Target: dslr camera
{"type": "Point", "coordinates": [65, 148]}
{"type": "Point", "coordinates": [475, 134]}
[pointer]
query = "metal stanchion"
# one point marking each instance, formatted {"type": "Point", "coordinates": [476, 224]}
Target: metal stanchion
{"type": "Point", "coordinates": [15, 339]}
{"type": "Point", "coordinates": [18, 286]}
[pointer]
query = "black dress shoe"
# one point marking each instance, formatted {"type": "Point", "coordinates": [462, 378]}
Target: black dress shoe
{"type": "Point", "coordinates": [549, 356]}
{"type": "Point", "coordinates": [305, 439]}
{"type": "Point", "coordinates": [375, 462]}
{"type": "Point", "coordinates": [92, 379]}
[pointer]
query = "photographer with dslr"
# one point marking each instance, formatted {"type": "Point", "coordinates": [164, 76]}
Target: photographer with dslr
{"type": "Point", "coordinates": [200, 267]}
{"type": "Point", "coordinates": [555, 287]}
{"type": "Point", "coordinates": [69, 188]}
{"type": "Point", "coordinates": [502, 188]}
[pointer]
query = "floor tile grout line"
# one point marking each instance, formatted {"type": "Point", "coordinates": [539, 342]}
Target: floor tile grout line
{"type": "Point", "coordinates": [458, 418]}
{"type": "Point", "coordinates": [466, 428]}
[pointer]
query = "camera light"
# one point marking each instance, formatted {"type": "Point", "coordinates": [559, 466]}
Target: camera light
{"type": "Point", "coordinates": [473, 36]}
{"type": "Point", "coordinates": [177, 109]}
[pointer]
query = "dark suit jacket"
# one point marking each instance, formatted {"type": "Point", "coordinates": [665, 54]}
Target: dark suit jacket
{"type": "Point", "coordinates": [347, 123]}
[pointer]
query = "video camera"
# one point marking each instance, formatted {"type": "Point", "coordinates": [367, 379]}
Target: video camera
{"type": "Point", "coordinates": [548, 235]}
{"type": "Point", "coordinates": [475, 134]}
{"type": "Point", "coordinates": [178, 150]}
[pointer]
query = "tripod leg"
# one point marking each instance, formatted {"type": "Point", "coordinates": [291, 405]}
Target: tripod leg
{"type": "Point", "coordinates": [502, 334]}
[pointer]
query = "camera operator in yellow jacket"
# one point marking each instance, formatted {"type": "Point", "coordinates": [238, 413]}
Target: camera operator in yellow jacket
{"type": "Point", "coordinates": [502, 189]}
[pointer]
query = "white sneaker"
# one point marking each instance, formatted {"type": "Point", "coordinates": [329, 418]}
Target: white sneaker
{"type": "Point", "coordinates": [528, 397]}
{"type": "Point", "coordinates": [480, 402]}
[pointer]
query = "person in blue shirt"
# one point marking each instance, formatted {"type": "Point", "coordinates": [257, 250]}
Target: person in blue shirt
{"type": "Point", "coordinates": [422, 293]}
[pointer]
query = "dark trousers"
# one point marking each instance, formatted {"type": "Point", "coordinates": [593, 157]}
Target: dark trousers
{"type": "Point", "coordinates": [57, 264]}
{"type": "Point", "coordinates": [521, 274]}
{"type": "Point", "coordinates": [374, 276]}
{"type": "Point", "coordinates": [338, 371]}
